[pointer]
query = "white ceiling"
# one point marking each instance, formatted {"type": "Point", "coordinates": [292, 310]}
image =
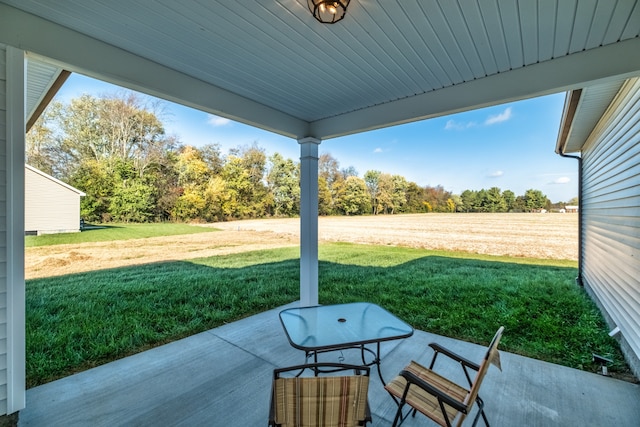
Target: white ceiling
{"type": "Point", "coordinates": [268, 63]}
{"type": "Point", "coordinates": [40, 78]}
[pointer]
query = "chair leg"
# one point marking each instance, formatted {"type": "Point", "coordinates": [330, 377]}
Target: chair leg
{"type": "Point", "coordinates": [480, 412]}
{"type": "Point", "coordinates": [399, 416]}
{"type": "Point", "coordinates": [484, 417]}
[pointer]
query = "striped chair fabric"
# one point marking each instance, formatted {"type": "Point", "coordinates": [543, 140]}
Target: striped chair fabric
{"type": "Point", "coordinates": [321, 401]}
{"type": "Point", "coordinates": [424, 401]}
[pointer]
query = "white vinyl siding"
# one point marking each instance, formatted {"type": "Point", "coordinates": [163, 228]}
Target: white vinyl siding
{"type": "Point", "coordinates": [611, 221]}
{"type": "Point", "coordinates": [50, 205]}
{"type": "Point", "coordinates": [3, 232]}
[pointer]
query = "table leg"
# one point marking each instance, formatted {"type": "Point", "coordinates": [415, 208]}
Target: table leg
{"type": "Point", "coordinates": [376, 359]}
{"type": "Point", "coordinates": [308, 354]}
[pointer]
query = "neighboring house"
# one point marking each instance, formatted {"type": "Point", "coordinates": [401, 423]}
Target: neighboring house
{"type": "Point", "coordinates": [571, 209]}
{"type": "Point", "coordinates": [602, 124]}
{"type": "Point", "coordinates": [50, 205]}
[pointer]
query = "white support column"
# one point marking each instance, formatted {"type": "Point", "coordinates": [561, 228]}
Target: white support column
{"type": "Point", "coordinates": [16, 88]}
{"type": "Point", "coordinates": [308, 221]}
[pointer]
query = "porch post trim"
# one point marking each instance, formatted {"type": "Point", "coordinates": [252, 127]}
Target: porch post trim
{"type": "Point", "coordinates": [15, 149]}
{"type": "Point", "coordinates": [309, 221]}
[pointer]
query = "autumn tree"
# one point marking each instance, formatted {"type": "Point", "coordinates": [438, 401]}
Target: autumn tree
{"type": "Point", "coordinates": [384, 199]}
{"type": "Point", "coordinates": [329, 181]}
{"type": "Point", "coordinates": [467, 201]}
{"type": "Point", "coordinates": [331, 184]}
{"type": "Point", "coordinates": [519, 204]}
{"type": "Point", "coordinates": [437, 198]}
{"type": "Point", "coordinates": [43, 142]}
{"type": "Point", "coordinates": [252, 160]}
{"type": "Point", "coordinates": [106, 147]}
{"type": "Point", "coordinates": [329, 169]}
{"type": "Point", "coordinates": [353, 197]}
{"type": "Point", "coordinates": [164, 178]}
{"type": "Point", "coordinates": [191, 167]}
{"type": "Point", "coordinates": [509, 198]}
{"type": "Point", "coordinates": [238, 185]}
{"type": "Point", "coordinates": [132, 201]}
{"type": "Point", "coordinates": [399, 194]}
{"type": "Point", "coordinates": [98, 185]}
{"type": "Point", "coordinates": [348, 171]}
{"type": "Point", "coordinates": [193, 175]}
{"type": "Point", "coordinates": [534, 200]}
{"type": "Point", "coordinates": [114, 148]}
{"type": "Point", "coordinates": [283, 182]}
{"type": "Point", "coordinates": [494, 202]}
{"type": "Point", "coordinates": [456, 201]}
{"type": "Point", "coordinates": [213, 157]}
{"type": "Point", "coordinates": [372, 180]}
{"type": "Point", "coordinates": [116, 128]}
{"type": "Point", "coordinates": [414, 199]}
{"type": "Point", "coordinates": [325, 198]}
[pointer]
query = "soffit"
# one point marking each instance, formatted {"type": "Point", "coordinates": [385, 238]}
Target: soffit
{"type": "Point", "coordinates": [40, 78]}
{"type": "Point", "coordinates": [594, 101]}
{"type": "Point", "coordinates": [387, 62]}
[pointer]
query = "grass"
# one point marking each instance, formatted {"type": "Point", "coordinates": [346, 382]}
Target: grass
{"type": "Point", "coordinates": [79, 321]}
{"type": "Point", "coordinates": [111, 232]}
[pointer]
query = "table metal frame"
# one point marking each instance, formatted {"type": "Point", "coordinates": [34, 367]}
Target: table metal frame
{"type": "Point", "coordinates": [359, 324]}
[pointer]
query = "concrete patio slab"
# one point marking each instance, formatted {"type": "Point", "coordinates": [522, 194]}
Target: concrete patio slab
{"type": "Point", "coordinates": [222, 377]}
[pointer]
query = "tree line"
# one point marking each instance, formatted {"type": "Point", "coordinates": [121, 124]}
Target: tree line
{"type": "Point", "coordinates": [115, 149]}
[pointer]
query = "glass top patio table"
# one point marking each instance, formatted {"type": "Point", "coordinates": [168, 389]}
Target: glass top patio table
{"type": "Point", "coordinates": [327, 327]}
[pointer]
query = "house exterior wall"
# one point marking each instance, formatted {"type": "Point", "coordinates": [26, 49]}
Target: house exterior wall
{"type": "Point", "coordinates": [3, 232]}
{"type": "Point", "coordinates": [611, 217]}
{"type": "Point", "coordinates": [50, 206]}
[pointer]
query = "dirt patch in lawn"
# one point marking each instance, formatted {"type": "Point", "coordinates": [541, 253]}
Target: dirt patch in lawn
{"type": "Point", "coordinates": [56, 260]}
{"type": "Point", "coordinates": [547, 236]}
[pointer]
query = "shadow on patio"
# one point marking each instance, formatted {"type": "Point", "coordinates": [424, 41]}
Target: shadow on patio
{"type": "Point", "coordinates": [222, 377]}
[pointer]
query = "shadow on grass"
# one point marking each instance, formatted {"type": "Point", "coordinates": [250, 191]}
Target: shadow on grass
{"type": "Point", "coordinates": [93, 227]}
{"type": "Point", "coordinates": [112, 232]}
{"type": "Point", "coordinates": [78, 321]}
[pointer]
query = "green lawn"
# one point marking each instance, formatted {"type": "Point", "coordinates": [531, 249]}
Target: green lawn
{"type": "Point", "coordinates": [114, 231]}
{"type": "Point", "coordinates": [78, 321]}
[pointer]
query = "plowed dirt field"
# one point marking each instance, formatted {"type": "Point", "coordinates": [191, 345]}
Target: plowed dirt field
{"type": "Point", "coordinates": [549, 236]}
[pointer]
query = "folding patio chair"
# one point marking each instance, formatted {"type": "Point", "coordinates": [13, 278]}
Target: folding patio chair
{"type": "Point", "coordinates": [437, 397]}
{"type": "Point", "coordinates": [324, 399]}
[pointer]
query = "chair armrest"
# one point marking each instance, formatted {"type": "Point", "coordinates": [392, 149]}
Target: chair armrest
{"type": "Point", "coordinates": [440, 349]}
{"type": "Point", "coordinates": [413, 379]}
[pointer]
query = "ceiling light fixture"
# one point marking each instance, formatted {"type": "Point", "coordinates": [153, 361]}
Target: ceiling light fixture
{"type": "Point", "coordinates": [328, 11]}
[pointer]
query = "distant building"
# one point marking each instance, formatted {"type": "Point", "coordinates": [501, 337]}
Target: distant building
{"type": "Point", "coordinates": [50, 205]}
{"type": "Point", "coordinates": [571, 209]}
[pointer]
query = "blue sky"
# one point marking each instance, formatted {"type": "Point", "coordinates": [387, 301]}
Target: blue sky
{"type": "Point", "coordinates": [510, 146]}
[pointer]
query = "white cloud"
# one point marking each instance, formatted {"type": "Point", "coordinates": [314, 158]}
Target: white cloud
{"type": "Point", "coordinates": [496, 174]}
{"type": "Point", "coordinates": [453, 125]}
{"type": "Point", "coordinates": [450, 125]}
{"type": "Point", "coordinates": [378, 150]}
{"type": "Point", "coordinates": [217, 120]}
{"type": "Point", "coordinates": [498, 118]}
{"type": "Point", "coordinates": [562, 180]}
